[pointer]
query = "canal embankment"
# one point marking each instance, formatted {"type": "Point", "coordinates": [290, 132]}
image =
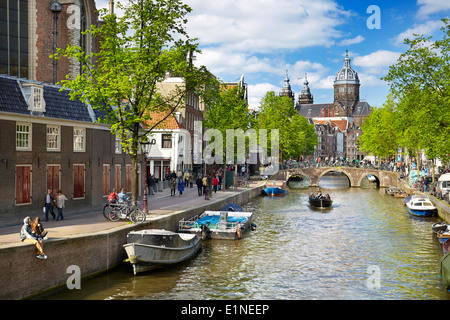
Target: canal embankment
{"type": "Point", "coordinates": [22, 275]}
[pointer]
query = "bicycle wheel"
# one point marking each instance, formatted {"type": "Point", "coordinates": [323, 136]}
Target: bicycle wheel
{"type": "Point", "coordinates": [137, 215]}
{"type": "Point", "coordinates": [115, 214]}
{"type": "Point", "coordinates": [106, 211]}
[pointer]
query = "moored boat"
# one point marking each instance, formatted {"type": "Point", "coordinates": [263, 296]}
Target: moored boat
{"type": "Point", "coordinates": [393, 190]}
{"type": "Point", "coordinates": [439, 226]}
{"type": "Point", "coordinates": [421, 206]}
{"type": "Point", "coordinates": [275, 188]}
{"type": "Point", "coordinates": [156, 248]}
{"type": "Point", "coordinates": [444, 270]}
{"type": "Point", "coordinates": [443, 236]}
{"type": "Point", "coordinates": [218, 224]}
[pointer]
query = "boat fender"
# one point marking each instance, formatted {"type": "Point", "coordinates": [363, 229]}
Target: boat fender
{"type": "Point", "coordinates": [206, 232]}
{"type": "Point", "coordinates": [238, 232]}
{"type": "Point", "coordinates": [253, 226]}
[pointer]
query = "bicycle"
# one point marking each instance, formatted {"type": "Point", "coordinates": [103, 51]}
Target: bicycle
{"type": "Point", "coordinates": [116, 211]}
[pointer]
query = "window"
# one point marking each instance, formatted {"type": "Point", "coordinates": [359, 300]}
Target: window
{"type": "Point", "coordinates": [14, 38]}
{"type": "Point", "coordinates": [53, 138]}
{"type": "Point", "coordinates": [106, 179]}
{"type": "Point", "coordinates": [117, 145]}
{"type": "Point", "coordinates": [166, 141]}
{"type": "Point", "coordinates": [23, 136]}
{"type": "Point", "coordinates": [79, 139]}
{"type": "Point", "coordinates": [23, 184]}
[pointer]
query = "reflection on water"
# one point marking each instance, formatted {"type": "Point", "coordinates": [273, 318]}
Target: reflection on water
{"type": "Point", "coordinates": [298, 252]}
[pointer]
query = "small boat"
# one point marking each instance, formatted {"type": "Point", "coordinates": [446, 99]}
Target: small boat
{"type": "Point", "coordinates": [275, 188]}
{"type": "Point", "coordinates": [232, 207]}
{"type": "Point", "coordinates": [439, 226]}
{"type": "Point", "coordinates": [320, 201]}
{"type": "Point", "coordinates": [393, 190]}
{"type": "Point", "coordinates": [446, 246]}
{"type": "Point", "coordinates": [443, 236]}
{"type": "Point", "coordinates": [156, 248]}
{"type": "Point", "coordinates": [218, 224]}
{"type": "Point", "coordinates": [401, 195]}
{"type": "Point", "coordinates": [421, 206]}
{"type": "Point", "coordinates": [444, 270]}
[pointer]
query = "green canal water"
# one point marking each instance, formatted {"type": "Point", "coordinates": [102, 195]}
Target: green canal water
{"type": "Point", "coordinates": [365, 247]}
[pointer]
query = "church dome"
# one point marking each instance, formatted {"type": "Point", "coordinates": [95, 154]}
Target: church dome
{"type": "Point", "coordinates": [347, 75]}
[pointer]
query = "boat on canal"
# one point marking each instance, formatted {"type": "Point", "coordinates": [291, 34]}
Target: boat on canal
{"type": "Point", "coordinates": [158, 248]}
{"type": "Point", "coordinates": [320, 201]}
{"type": "Point", "coordinates": [393, 191]}
{"type": "Point", "coordinates": [444, 270]}
{"type": "Point", "coordinates": [275, 188]}
{"type": "Point", "coordinates": [421, 206]}
{"type": "Point", "coordinates": [439, 226]}
{"type": "Point", "coordinates": [443, 236]}
{"type": "Point", "coordinates": [229, 225]}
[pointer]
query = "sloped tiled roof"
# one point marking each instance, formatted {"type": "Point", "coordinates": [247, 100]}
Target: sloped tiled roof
{"type": "Point", "coordinates": [170, 123]}
{"type": "Point", "coordinates": [11, 97]}
{"type": "Point", "coordinates": [57, 103]}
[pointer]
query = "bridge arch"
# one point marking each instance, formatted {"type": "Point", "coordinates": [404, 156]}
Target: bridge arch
{"type": "Point", "coordinates": [324, 172]}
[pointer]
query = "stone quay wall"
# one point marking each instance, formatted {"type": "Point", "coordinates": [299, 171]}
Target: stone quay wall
{"type": "Point", "coordinates": [24, 276]}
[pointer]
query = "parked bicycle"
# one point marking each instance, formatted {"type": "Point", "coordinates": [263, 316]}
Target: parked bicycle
{"type": "Point", "coordinates": [126, 210]}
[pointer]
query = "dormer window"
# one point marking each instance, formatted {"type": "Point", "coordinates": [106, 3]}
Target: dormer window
{"type": "Point", "coordinates": [35, 94]}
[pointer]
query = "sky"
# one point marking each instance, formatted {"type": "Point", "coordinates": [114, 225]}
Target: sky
{"type": "Point", "coordinates": [265, 39]}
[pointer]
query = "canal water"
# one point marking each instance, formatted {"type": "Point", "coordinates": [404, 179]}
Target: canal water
{"type": "Point", "coordinates": [365, 247]}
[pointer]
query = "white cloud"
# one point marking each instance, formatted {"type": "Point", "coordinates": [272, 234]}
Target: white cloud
{"type": "Point", "coordinates": [377, 62]}
{"type": "Point", "coordinates": [428, 7]}
{"type": "Point", "coordinates": [265, 26]}
{"type": "Point", "coordinates": [355, 40]}
{"type": "Point", "coordinates": [426, 28]}
{"type": "Point", "coordinates": [257, 91]}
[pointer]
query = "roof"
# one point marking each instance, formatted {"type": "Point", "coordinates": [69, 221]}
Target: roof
{"type": "Point", "coordinates": [57, 101]}
{"type": "Point", "coordinates": [170, 123]}
{"type": "Point", "coordinates": [341, 124]}
{"type": "Point", "coordinates": [313, 110]}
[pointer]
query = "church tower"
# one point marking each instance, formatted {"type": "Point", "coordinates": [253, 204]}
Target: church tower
{"type": "Point", "coordinates": [287, 90]}
{"type": "Point", "coordinates": [305, 97]}
{"type": "Point", "coordinates": [346, 90]}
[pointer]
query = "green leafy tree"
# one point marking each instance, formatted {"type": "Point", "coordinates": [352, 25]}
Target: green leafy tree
{"type": "Point", "coordinates": [296, 136]}
{"type": "Point", "coordinates": [137, 50]}
{"type": "Point", "coordinates": [420, 84]}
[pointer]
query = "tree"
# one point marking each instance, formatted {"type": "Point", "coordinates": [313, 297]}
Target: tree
{"type": "Point", "coordinates": [137, 50]}
{"type": "Point", "coordinates": [380, 132]}
{"type": "Point", "coordinates": [420, 84]}
{"type": "Point", "coordinates": [296, 136]}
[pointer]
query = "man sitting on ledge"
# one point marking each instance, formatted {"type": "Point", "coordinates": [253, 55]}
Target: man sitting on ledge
{"type": "Point", "coordinates": [27, 236]}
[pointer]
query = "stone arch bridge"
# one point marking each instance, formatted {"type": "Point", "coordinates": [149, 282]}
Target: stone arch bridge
{"type": "Point", "coordinates": [384, 179]}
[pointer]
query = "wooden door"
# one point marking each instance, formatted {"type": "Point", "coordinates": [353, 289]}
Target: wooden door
{"type": "Point", "coordinates": [78, 180]}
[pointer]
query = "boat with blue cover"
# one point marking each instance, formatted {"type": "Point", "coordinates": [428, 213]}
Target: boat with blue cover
{"type": "Point", "coordinates": [275, 188]}
{"type": "Point", "coordinates": [421, 206]}
{"type": "Point", "coordinates": [218, 224]}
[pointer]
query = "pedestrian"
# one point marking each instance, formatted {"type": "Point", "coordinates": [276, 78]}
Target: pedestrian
{"type": "Point", "coordinates": [151, 182]}
{"type": "Point", "coordinates": [113, 197]}
{"type": "Point", "coordinates": [60, 201]}
{"type": "Point", "coordinates": [121, 196]}
{"type": "Point", "coordinates": [186, 178]}
{"type": "Point", "coordinates": [204, 184]}
{"type": "Point", "coordinates": [173, 186]}
{"type": "Point", "coordinates": [215, 183]}
{"type": "Point", "coordinates": [26, 236]}
{"type": "Point", "coordinates": [48, 204]}
{"type": "Point", "coordinates": [220, 181]}
{"type": "Point", "coordinates": [191, 180]}
{"type": "Point", "coordinates": [199, 184]}
{"type": "Point", "coordinates": [180, 186]}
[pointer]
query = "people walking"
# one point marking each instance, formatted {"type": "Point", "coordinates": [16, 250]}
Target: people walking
{"type": "Point", "coordinates": [173, 186]}
{"type": "Point", "coordinates": [48, 204]}
{"type": "Point", "coordinates": [180, 186]}
{"type": "Point", "coordinates": [199, 184]}
{"type": "Point", "coordinates": [60, 201]}
{"type": "Point", "coordinates": [215, 183]}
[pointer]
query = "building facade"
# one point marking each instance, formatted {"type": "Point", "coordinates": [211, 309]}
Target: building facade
{"type": "Point", "coordinates": [338, 123]}
{"type": "Point", "coordinates": [48, 140]}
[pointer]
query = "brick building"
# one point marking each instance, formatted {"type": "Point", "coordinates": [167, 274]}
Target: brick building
{"type": "Point", "coordinates": [338, 123]}
{"type": "Point", "coordinates": [47, 139]}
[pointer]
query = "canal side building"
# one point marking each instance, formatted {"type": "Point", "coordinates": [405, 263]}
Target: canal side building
{"type": "Point", "coordinates": [337, 123]}
{"type": "Point", "coordinates": [49, 140]}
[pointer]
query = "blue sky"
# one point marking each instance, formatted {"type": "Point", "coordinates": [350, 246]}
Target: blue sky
{"type": "Point", "coordinates": [261, 39]}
